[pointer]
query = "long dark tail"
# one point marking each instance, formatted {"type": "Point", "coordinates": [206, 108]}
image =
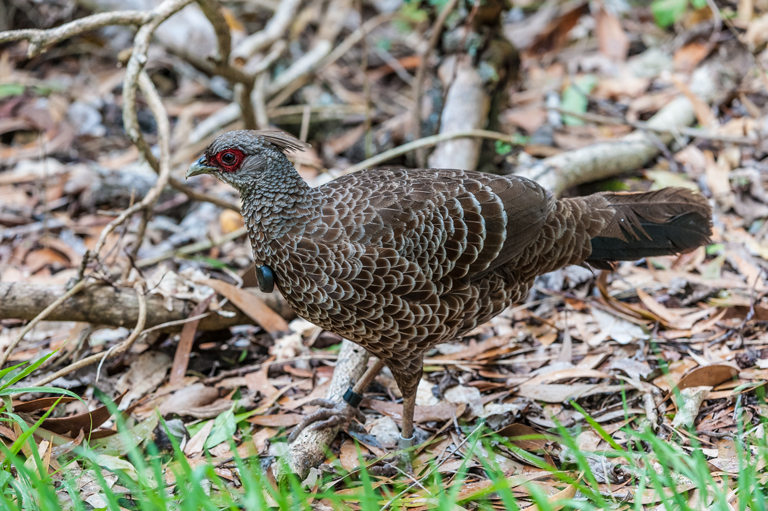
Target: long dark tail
{"type": "Point", "coordinates": [663, 222]}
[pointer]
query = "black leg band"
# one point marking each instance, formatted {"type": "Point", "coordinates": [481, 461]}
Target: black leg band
{"type": "Point", "coordinates": [353, 398]}
{"type": "Point", "coordinates": [265, 278]}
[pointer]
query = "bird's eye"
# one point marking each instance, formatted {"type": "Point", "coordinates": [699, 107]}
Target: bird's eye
{"type": "Point", "coordinates": [228, 158]}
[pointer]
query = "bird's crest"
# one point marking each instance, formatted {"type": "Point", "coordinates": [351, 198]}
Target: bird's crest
{"type": "Point", "coordinates": [282, 140]}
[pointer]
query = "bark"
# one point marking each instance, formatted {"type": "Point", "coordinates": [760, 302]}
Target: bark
{"type": "Point", "coordinates": [109, 306]}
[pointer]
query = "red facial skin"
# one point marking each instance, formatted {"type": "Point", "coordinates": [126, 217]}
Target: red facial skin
{"type": "Point", "coordinates": [223, 159]}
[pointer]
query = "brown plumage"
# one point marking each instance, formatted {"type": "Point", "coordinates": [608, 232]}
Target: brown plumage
{"type": "Point", "coordinates": [398, 260]}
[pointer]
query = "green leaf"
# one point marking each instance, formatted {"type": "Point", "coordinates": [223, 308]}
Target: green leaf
{"type": "Point", "coordinates": [50, 390]}
{"type": "Point", "coordinates": [26, 372]}
{"type": "Point", "coordinates": [9, 369]}
{"type": "Point", "coordinates": [224, 427]}
{"type": "Point", "coordinates": [667, 12]}
{"type": "Point", "coordinates": [575, 99]}
{"type": "Point", "coordinates": [715, 249]}
{"type": "Point", "coordinates": [503, 148]}
{"type": "Point", "coordinates": [11, 89]}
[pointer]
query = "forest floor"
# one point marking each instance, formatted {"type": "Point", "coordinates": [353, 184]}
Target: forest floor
{"type": "Point", "coordinates": [637, 389]}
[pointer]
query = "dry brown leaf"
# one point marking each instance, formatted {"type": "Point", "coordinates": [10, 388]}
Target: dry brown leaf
{"type": "Point", "coordinates": [702, 110]}
{"type": "Point", "coordinates": [555, 35]}
{"type": "Point", "coordinates": [190, 400]}
{"type": "Point", "coordinates": [708, 376]}
{"type": "Point", "coordinates": [261, 438]}
{"type": "Point", "coordinates": [688, 57]}
{"type": "Point", "coordinates": [516, 430]}
{"type": "Point", "coordinates": [283, 420]}
{"type": "Point", "coordinates": [564, 374]}
{"type": "Point", "coordinates": [554, 500]}
{"type": "Point", "coordinates": [251, 305]}
{"type": "Point", "coordinates": [562, 393]}
{"type": "Point", "coordinates": [611, 38]}
{"type": "Point", "coordinates": [40, 404]}
{"type": "Point", "coordinates": [727, 456]}
{"type": "Point", "coordinates": [87, 422]}
{"type": "Point", "coordinates": [196, 443]}
{"type": "Point", "coordinates": [145, 374]}
{"type": "Point", "coordinates": [259, 381]}
{"type": "Point", "coordinates": [669, 318]}
{"type": "Point", "coordinates": [442, 412]}
{"type": "Point", "coordinates": [230, 221]}
{"type": "Point", "coordinates": [349, 456]}
{"type": "Point", "coordinates": [186, 339]}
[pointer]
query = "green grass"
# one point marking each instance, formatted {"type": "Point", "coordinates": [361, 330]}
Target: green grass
{"type": "Point", "coordinates": [128, 471]}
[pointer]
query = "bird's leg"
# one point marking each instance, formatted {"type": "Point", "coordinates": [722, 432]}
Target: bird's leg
{"type": "Point", "coordinates": [331, 413]}
{"type": "Point", "coordinates": [404, 458]}
{"type": "Point", "coordinates": [406, 435]}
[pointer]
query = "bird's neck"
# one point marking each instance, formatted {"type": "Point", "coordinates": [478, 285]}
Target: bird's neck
{"type": "Point", "coordinates": [279, 204]}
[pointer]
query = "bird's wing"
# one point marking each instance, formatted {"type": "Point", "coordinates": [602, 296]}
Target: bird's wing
{"type": "Point", "coordinates": [448, 225]}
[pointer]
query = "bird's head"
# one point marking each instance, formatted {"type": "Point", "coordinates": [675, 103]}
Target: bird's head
{"type": "Point", "coordinates": [244, 158]}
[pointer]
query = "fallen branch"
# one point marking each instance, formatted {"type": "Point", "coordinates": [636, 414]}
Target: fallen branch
{"type": "Point", "coordinates": [61, 296]}
{"type": "Point", "coordinates": [434, 38]}
{"type": "Point", "coordinates": [39, 39]}
{"type": "Point", "coordinates": [608, 159]}
{"type": "Point", "coordinates": [308, 450]}
{"type": "Point", "coordinates": [115, 307]}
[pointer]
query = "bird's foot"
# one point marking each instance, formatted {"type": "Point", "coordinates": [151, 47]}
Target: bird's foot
{"type": "Point", "coordinates": [330, 415]}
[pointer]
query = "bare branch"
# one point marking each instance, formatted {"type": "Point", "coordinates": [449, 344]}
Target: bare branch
{"type": "Point", "coordinates": [115, 307]}
{"type": "Point", "coordinates": [40, 39]}
{"type": "Point", "coordinates": [39, 317]}
{"type": "Point", "coordinates": [276, 27]}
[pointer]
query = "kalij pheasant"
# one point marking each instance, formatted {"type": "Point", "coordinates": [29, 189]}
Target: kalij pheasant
{"type": "Point", "coordinates": [398, 260]}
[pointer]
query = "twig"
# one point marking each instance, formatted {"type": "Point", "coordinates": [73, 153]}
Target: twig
{"type": "Point", "coordinates": [40, 39]}
{"type": "Point", "coordinates": [240, 371]}
{"type": "Point", "coordinates": [353, 39]}
{"type": "Point", "coordinates": [121, 348]}
{"type": "Point", "coordinates": [425, 142]}
{"type": "Point", "coordinates": [44, 314]}
{"type": "Point", "coordinates": [163, 141]}
{"type": "Point", "coordinates": [437, 29]}
{"type": "Point", "coordinates": [275, 28]}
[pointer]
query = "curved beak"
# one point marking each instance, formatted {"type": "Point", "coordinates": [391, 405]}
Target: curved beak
{"type": "Point", "coordinates": [200, 167]}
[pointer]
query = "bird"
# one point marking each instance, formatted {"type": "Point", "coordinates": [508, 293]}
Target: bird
{"type": "Point", "coordinates": [399, 260]}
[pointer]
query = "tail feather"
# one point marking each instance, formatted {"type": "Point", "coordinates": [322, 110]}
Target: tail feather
{"type": "Point", "coordinates": [663, 222]}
